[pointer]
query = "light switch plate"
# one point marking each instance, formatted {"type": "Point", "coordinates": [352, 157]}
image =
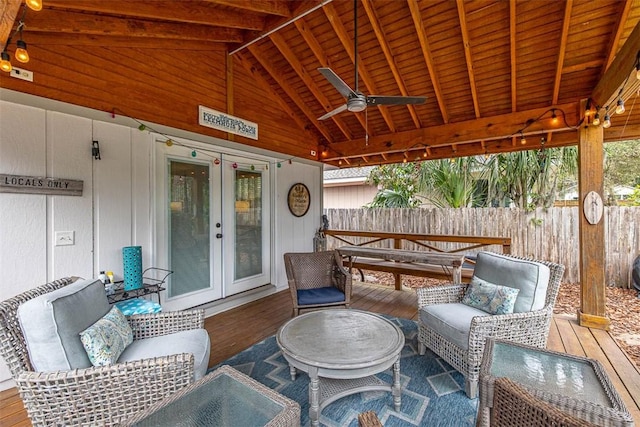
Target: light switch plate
{"type": "Point", "coordinates": [65, 238]}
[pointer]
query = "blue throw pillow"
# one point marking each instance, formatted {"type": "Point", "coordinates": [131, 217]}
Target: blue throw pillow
{"type": "Point", "coordinates": [489, 297]}
{"type": "Point", "coordinates": [105, 340]}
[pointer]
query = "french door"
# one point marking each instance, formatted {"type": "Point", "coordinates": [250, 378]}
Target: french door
{"type": "Point", "coordinates": [213, 225]}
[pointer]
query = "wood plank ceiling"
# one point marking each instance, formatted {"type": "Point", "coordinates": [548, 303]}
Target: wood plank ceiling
{"type": "Point", "coordinates": [493, 72]}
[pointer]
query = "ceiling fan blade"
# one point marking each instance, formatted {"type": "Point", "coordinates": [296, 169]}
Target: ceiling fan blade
{"type": "Point", "coordinates": [395, 100]}
{"type": "Point", "coordinates": [337, 82]}
{"type": "Point", "coordinates": [340, 109]}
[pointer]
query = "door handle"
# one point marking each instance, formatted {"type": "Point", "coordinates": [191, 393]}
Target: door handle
{"type": "Point", "coordinates": [219, 236]}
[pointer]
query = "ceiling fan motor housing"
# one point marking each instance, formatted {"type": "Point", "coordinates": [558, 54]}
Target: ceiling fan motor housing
{"type": "Point", "coordinates": [357, 103]}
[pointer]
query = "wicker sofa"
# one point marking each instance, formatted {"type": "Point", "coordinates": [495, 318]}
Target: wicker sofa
{"type": "Point", "coordinates": [102, 395]}
{"type": "Point", "coordinates": [457, 332]}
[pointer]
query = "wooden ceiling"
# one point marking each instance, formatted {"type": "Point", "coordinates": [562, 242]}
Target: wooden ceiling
{"type": "Point", "coordinates": [492, 71]}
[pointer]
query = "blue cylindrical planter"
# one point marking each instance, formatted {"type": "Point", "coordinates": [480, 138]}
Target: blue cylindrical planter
{"type": "Point", "coordinates": [132, 263]}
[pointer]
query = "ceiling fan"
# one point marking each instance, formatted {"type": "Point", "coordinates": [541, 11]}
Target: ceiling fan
{"type": "Point", "coordinates": [356, 100]}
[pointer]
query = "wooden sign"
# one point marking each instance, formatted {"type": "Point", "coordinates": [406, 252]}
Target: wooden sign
{"type": "Point", "coordinates": [593, 207]}
{"type": "Point", "coordinates": [40, 185]}
{"type": "Point", "coordinates": [298, 199]}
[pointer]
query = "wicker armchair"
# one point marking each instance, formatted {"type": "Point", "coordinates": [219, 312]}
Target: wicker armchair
{"type": "Point", "coordinates": [530, 327]}
{"type": "Point", "coordinates": [317, 279]}
{"type": "Point", "coordinates": [94, 396]}
{"type": "Point", "coordinates": [513, 406]}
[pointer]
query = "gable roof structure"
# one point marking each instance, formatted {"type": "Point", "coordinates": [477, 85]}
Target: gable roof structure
{"type": "Point", "coordinates": [498, 76]}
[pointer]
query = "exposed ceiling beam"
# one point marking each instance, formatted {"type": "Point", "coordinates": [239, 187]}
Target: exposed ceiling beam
{"type": "Point", "coordinates": [183, 11]}
{"type": "Point", "coordinates": [267, 7]}
{"type": "Point", "coordinates": [568, 6]}
{"type": "Point", "coordinates": [512, 53]}
{"type": "Point", "coordinates": [290, 91]}
{"type": "Point", "coordinates": [59, 39]}
{"type": "Point", "coordinates": [7, 18]}
{"type": "Point", "coordinates": [467, 54]}
{"type": "Point", "coordinates": [343, 36]}
{"type": "Point", "coordinates": [621, 70]}
{"type": "Point", "coordinates": [615, 40]}
{"type": "Point", "coordinates": [285, 105]}
{"type": "Point", "coordinates": [487, 129]}
{"type": "Point", "coordinates": [81, 23]}
{"type": "Point", "coordinates": [426, 53]}
{"type": "Point", "coordinates": [290, 57]}
{"type": "Point", "coordinates": [386, 49]}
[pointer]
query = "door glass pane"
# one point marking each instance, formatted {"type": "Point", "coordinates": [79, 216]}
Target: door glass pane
{"type": "Point", "coordinates": [248, 226]}
{"type": "Point", "coordinates": [189, 240]}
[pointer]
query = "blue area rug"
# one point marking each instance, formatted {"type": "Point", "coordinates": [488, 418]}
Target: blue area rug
{"type": "Point", "coordinates": [432, 391]}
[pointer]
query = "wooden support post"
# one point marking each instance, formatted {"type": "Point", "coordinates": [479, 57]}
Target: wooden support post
{"type": "Point", "coordinates": [397, 244]}
{"type": "Point", "coordinates": [230, 92]}
{"type": "Point", "coordinates": [591, 176]}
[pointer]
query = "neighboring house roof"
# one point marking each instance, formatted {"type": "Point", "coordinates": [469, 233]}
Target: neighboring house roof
{"type": "Point", "coordinates": [346, 176]}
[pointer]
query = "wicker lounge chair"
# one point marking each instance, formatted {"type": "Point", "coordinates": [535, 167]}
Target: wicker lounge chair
{"type": "Point", "coordinates": [457, 332]}
{"type": "Point", "coordinates": [104, 395]}
{"type": "Point", "coordinates": [513, 406]}
{"type": "Point", "coordinates": [317, 279]}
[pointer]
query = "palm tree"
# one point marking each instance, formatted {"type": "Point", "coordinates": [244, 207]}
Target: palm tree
{"type": "Point", "coordinates": [448, 183]}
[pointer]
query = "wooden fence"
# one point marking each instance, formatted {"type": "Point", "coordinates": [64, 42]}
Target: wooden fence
{"type": "Point", "coordinates": [546, 234]}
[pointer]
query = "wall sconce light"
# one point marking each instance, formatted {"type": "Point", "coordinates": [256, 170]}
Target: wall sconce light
{"type": "Point", "coordinates": [95, 150]}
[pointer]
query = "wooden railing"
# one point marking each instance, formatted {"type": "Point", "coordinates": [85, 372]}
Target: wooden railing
{"type": "Point", "coordinates": [467, 245]}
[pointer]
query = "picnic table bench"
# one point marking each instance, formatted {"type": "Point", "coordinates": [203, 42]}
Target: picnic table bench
{"type": "Point", "coordinates": [426, 260]}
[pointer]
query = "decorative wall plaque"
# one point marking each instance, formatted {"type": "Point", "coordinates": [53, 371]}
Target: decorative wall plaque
{"type": "Point", "coordinates": [298, 199]}
{"type": "Point", "coordinates": [40, 185]}
{"type": "Point", "coordinates": [593, 207]}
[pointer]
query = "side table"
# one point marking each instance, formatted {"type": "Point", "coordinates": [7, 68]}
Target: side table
{"type": "Point", "coordinates": [576, 385]}
{"type": "Point", "coordinates": [225, 398]}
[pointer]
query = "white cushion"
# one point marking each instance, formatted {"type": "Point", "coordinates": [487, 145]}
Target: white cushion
{"type": "Point", "coordinates": [530, 277]}
{"type": "Point", "coordinates": [51, 324]}
{"type": "Point", "coordinates": [194, 341]}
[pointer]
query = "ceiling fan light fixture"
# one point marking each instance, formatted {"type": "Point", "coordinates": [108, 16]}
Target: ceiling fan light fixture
{"type": "Point", "coordinates": [356, 105]}
{"type": "Point", "coordinates": [5, 62]}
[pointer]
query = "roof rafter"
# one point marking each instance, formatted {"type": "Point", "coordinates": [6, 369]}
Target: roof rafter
{"type": "Point", "coordinates": [386, 49]}
{"type": "Point", "coordinates": [467, 53]}
{"type": "Point", "coordinates": [341, 32]}
{"type": "Point", "coordinates": [188, 12]}
{"type": "Point", "coordinates": [260, 6]}
{"type": "Point", "coordinates": [426, 53]}
{"type": "Point", "coordinates": [615, 40]}
{"type": "Point", "coordinates": [7, 18]}
{"type": "Point", "coordinates": [290, 57]}
{"type": "Point", "coordinates": [291, 93]}
{"type": "Point", "coordinates": [81, 23]}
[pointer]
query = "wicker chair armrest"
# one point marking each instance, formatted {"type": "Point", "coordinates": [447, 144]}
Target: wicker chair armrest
{"type": "Point", "coordinates": [105, 395]}
{"type": "Point", "coordinates": [163, 323]}
{"type": "Point", "coordinates": [531, 327]}
{"type": "Point", "coordinates": [440, 294]}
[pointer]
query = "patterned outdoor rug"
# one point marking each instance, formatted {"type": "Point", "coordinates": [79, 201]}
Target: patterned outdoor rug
{"type": "Point", "coordinates": [432, 391]}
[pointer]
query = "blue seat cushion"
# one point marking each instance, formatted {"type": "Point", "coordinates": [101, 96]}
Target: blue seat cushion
{"type": "Point", "coordinates": [325, 295]}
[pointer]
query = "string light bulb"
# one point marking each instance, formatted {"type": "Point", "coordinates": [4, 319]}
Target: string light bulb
{"type": "Point", "coordinates": [554, 117]}
{"type": "Point", "coordinates": [523, 140]}
{"type": "Point", "coordinates": [21, 51]}
{"type": "Point", "coordinates": [34, 4]}
{"type": "Point", "coordinates": [620, 107]}
{"type": "Point", "coordinates": [5, 62]}
{"type": "Point", "coordinates": [596, 119]}
{"type": "Point", "coordinates": [607, 121]}
{"type": "Point", "coordinates": [638, 69]}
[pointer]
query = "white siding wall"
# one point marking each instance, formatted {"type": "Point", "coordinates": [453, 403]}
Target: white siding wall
{"type": "Point", "coordinates": [349, 196]}
{"type": "Point", "coordinates": [40, 137]}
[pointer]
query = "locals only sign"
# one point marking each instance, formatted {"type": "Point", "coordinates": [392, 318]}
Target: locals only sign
{"type": "Point", "coordinates": [224, 122]}
{"type": "Point", "coordinates": [40, 185]}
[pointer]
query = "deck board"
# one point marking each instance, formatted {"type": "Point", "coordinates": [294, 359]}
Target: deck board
{"type": "Point", "coordinates": [235, 330]}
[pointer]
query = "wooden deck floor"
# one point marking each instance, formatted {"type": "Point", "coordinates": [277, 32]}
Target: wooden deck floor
{"type": "Point", "coordinates": [237, 329]}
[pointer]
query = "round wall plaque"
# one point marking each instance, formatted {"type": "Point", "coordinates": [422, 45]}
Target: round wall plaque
{"type": "Point", "coordinates": [298, 199]}
{"type": "Point", "coordinates": [593, 207]}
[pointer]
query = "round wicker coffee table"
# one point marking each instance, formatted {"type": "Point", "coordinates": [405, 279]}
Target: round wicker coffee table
{"type": "Point", "coordinates": [341, 351]}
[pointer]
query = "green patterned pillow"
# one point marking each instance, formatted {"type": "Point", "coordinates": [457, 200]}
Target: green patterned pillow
{"type": "Point", "coordinates": [485, 296]}
{"type": "Point", "coordinates": [105, 340]}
